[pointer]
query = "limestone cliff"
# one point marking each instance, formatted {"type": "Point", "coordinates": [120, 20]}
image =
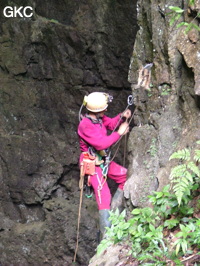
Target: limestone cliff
{"type": "Point", "coordinates": [47, 64]}
{"type": "Point", "coordinates": [167, 114]}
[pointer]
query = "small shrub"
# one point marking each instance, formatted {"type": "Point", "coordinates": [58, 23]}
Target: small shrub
{"type": "Point", "coordinates": [145, 233]}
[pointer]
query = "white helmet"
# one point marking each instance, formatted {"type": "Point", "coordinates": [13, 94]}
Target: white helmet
{"type": "Point", "coordinates": [97, 101]}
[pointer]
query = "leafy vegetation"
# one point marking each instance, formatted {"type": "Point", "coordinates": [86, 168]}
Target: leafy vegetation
{"type": "Point", "coordinates": [177, 12]}
{"type": "Point", "coordinates": [169, 231]}
{"type": "Point", "coordinates": [153, 150]}
{"type": "Point", "coordinates": [183, 175]}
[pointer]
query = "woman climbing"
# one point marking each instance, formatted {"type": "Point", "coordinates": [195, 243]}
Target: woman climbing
{"type": "Point", "coordinates": [94, 158]}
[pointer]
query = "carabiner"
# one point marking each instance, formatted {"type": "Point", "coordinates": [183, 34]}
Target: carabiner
{"type": "Point", "coordinates": [105, 170]}
{"type": "Point", "coordinates": [130, 100]}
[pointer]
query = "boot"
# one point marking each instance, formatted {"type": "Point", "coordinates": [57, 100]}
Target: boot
{"type": "Point", "coordinates": [104, 222]}
{"type": "Point", "coordinates": [117, 200]}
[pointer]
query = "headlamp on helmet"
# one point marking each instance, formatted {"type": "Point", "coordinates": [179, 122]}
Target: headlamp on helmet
{"type": "Point", "coordinates": [97, 101]}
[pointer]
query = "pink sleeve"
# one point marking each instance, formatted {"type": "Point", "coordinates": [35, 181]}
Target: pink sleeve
{"type": "Point", "coordinates": [94, 137]}
{"type": "Point", "coordinates": [110, 123]}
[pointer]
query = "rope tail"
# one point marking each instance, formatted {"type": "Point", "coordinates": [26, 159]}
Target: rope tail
{"type": "Point", "coordinates": [81, 182]}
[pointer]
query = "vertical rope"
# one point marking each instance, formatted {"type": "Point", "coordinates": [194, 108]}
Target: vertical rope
{"type": "Point", "coordinates": [125, 143]}
{"type": "Point", "coordinates": [79, 214]}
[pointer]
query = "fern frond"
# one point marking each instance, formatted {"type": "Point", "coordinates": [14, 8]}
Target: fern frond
{"type": "Point", "coordinates": [195, 169]}
{"type": "Point", "coordinates": [189, 176]}
{"type": "Point", "coordinates": [183, 154]}
{"type": "Point", "coordinates": [175, 181]}
{"type": "Point", "coordinates": [180, 185]}
{"type": "Point", "coordinates": [179, 189]}
{"type": "Point", "coordinates": [183, 180]}
{"type": "Point", "coordinates": [183, 175]}
{"type": "Point", "coordinates": [178, 171]}
{"type": "Point", "coordinates": [179, 195]}
{"type": "Point", "coordinates": [197, 156]}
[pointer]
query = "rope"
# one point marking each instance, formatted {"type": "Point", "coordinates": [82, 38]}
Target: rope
{"type": "Point", "coordinates": [79, 213]}
{"type": "Point", "coordinates": [130, 102]}
{"type": "Point", "coordinates": [101, 184]}
{"type": "Point", "coordinates": [79, 114]}
{"type": "Point", "coordinates": [82, 174]}
{"type": "Point", "coordinates": [122, 136]}
{"type": "Point", "coordinates": [125, 143]}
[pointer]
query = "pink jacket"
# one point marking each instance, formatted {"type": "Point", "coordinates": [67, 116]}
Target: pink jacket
{"type": "Point", "coordinates": [95, 134]}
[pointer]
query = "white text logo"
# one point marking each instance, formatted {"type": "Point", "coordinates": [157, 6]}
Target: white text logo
{"type": "Point", "coordinates": [13, 12]}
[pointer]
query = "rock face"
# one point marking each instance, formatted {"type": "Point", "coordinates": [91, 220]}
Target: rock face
{"type": "Point", "coordinates": [167, 114]}
{"type": "Point", "coordinates": [47, 64]}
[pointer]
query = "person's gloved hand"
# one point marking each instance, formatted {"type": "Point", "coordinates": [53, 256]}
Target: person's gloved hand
{"type": "Point", "coordinates": [123, 129]}
{"type": "Point", "coordinates": [127, 114]}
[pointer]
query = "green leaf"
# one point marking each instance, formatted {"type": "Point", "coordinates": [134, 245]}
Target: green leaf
{"type": "Point", "coordinates": [139, 228]}
{"type": "Point", "coordinates": [119, 234]}
{"type": "Point", "coordinates": [181, 185]}
{"type": "Point", "coordinates": [184, 246]}
{"type": "Point", "coordinates": [177, 16]}
{"type": "Point", "coordinates": [166, 188]}
{"type": "Point", "coordinates": [183, 154]}
{"type": "Point", "coordinates": [125, 226]}
{"type": "Point", "coordinates": [178, 171]}
{"type": "Point", "coordinates": [117, 212]}
{"type": "Point", "coordinates": [182, 227]}
{"type": "Point", "coordinates": [182, 24]}
{"type": "Point", "coordinates": [188, 28]}
{"type": "Point", "coordinates": [149, 235]}
{"type": "Point", "coordinates": [172, 20]}
{"type": "Point", "coordinates": [195, 26]}
{"type": "Point", "coordinates": [163, 208]}
{"type": "Point", "coordinates": [176, 9]}
{"type": "Point", "coordinates": [136, 211]}
{"type": "Point", "coordinates": [159, 194]}
{"type": "Point", "coordinates": [192, 227]}
{"type": "Point", "coordinates": [152, 228]}
{"type": "Point", "coordinates": [191, 2]}
{"type": "Point", "coordinates": [178, 248]}
{"type": "Point", "coordinates": [147, 212]}
{"type": "Point", "coordinates": [192, 166]}
{"type": "Point", "coordinates": [103, 246]}
{"type": "Point", "coordinates": [123, 214]}
{"type": "Point", "coordinates": [171, 223]}
{"type": "Point", "coordinates": [197, 156]}
{"type": "Point", "coordinates": [189, 176]}
{"type": "Point", "coordinates": [185, 181]}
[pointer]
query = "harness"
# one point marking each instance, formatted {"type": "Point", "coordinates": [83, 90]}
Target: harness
{"type": "Point", "coordinates": [101, 158]}
{"type": "Point", "coordinates": [91, 158]}
{"type": "Point", "coordinates": [145, 76]}
{"type": "Point", "coordinates": [87, 167]}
